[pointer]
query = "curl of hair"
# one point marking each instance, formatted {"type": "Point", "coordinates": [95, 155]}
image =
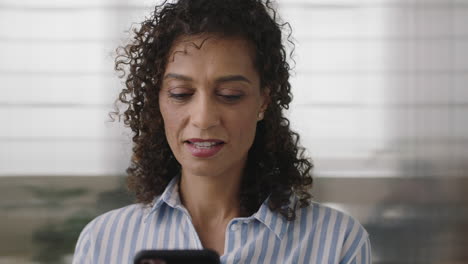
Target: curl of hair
{"type": "Point", "coordinates": [276, 167]}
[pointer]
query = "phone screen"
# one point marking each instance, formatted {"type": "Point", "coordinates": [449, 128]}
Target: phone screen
{"type": "Point", "coordinates": [205, 256]}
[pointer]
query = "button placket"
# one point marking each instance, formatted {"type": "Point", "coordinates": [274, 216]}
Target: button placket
{"type": "Point", "coordinates": [234, 227]}
{"type": "Point", "coordinates": [190, 225]}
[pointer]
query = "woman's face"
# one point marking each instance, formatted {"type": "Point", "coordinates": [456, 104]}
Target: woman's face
{"type": "Point", "coordinates": [210, 100]}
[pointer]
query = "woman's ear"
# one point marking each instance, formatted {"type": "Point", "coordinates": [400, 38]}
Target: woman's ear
{"type": "Point", "coordinates": [265, 100]}
{"type": "Point", "coordinates": [265, 94]}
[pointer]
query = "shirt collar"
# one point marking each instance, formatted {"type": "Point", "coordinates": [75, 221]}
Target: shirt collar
{"type": "Point", "coordinates": [274, 221]}
{"type": "Point", "coordinates": [170, 196]}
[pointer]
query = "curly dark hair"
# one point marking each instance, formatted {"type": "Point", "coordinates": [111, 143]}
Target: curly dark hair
{"type": "Point", "coordinates": [276, 166]}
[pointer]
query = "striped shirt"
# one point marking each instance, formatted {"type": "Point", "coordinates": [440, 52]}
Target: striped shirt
{"type": "Point", "coordinates": [318, 235]}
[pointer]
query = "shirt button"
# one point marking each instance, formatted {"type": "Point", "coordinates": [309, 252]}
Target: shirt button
{"type": "Point", "coordinates": [234, 227]}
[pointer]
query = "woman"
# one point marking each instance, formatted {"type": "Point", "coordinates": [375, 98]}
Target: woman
{"type": "Point", "coordinates": [215, 164]}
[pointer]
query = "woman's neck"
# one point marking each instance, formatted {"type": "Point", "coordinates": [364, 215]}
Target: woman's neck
{"type": "Point", "coordinates": [211, 200]}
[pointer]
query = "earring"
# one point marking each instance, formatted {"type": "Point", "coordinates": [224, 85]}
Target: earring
{"type": "Point", "coordinates": [259, 116]}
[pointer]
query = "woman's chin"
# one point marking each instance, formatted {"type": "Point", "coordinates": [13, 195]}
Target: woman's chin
{"type": "Point", "coordinates": [203, 169]}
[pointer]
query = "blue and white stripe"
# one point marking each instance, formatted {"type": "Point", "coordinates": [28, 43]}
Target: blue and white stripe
{"type": "Point", "coordinates": [318, 235]}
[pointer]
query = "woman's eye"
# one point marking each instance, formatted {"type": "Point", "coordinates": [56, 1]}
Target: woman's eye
{"type": "Point", "coordinates": [179, 96]}
{"type": "Point", "coordinates": [231, 97]}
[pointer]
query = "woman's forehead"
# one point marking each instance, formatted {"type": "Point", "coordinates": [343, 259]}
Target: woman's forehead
{"type": "Point", "coordinates": [209, 57]}
{"type": "Point", "coordinates": [186, 44]}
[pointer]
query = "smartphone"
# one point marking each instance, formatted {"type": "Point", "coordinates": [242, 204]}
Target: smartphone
{"type": "Point", "coordinates": [204, 256]}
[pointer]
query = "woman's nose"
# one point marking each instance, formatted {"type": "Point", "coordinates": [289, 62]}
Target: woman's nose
{"type": "Point", "coordinates": [204, 113]}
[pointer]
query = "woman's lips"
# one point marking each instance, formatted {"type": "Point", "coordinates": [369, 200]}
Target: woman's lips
{"type": "Point", "coordinates": [203, 148]}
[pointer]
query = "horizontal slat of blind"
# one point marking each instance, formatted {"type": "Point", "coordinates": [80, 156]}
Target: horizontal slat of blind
{"type": "Point", "coordinates": [305, 3]}
{"type": "Point", "coordinates": [57, 3]}
{"type": "Point", "coordinates": [76, 157]}
{"type": "Point", "coordinates": [460, 19]}
{"type": "Point", "coordinates": [377, 22]}
{"type": "Point", "coordinates": [351, 55]}
{"type": "Point", "coordinates": [361, 90]}
{"type": "Point", "coordinates": [67, 5]}
{"type": "Point", "coordinates": [57, 122]}
{"type": "Point", "coordinates": [358, 56]}
{"type": "Point", "coordinates": [105, 158]}
{"type": "Point", "coordinates": [402, 166]}
{"type": "Point", "coordinates": [86, 57]}
{"type": "Point", "coordinates": [372, 123]}
{"type": "Point", "coordinates": [340, 157]}
{"type": "Point", "coordinates": [88, 24]}
{"type": "Point", "coordinates": [381, 90]}
{"type": "Point", "coordinates": [330, 122]}
{"type": "Point", "coordinates": [459, 49]}
{"type": "Point", "coordinates": [377, 2]}
{"type": "Point", "coordinates": [56, 89]}
{"type": "Point", "coordinates": [371, 152]}
{"type": "Point", "coordinates": [98, 24]}
{"type": "Point", "coordinates": [319, 122]}
{"type": "Point", "coordinates": [347, 89]}
{"type": "Point", "coordinates": [384, 124]}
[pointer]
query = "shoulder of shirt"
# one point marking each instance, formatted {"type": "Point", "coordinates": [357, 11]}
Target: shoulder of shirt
{"type": "Point", "coordinates": [351, 236]}
{"type": "Point", "coordinates": [326, 214]}
{"type": "Point", "coordinates": [134, 210]}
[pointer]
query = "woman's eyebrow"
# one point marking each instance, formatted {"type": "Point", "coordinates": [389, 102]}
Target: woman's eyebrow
{"type": "Point", "coordinates": [232, 78]}
{"type": "Point", "coordinates": [227, 78]}
{"type": "Point", "coordinates": [178, 77]}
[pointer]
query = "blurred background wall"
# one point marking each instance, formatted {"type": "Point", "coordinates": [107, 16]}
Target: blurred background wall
{"type": "Point", "coordinates": [381, 103]}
